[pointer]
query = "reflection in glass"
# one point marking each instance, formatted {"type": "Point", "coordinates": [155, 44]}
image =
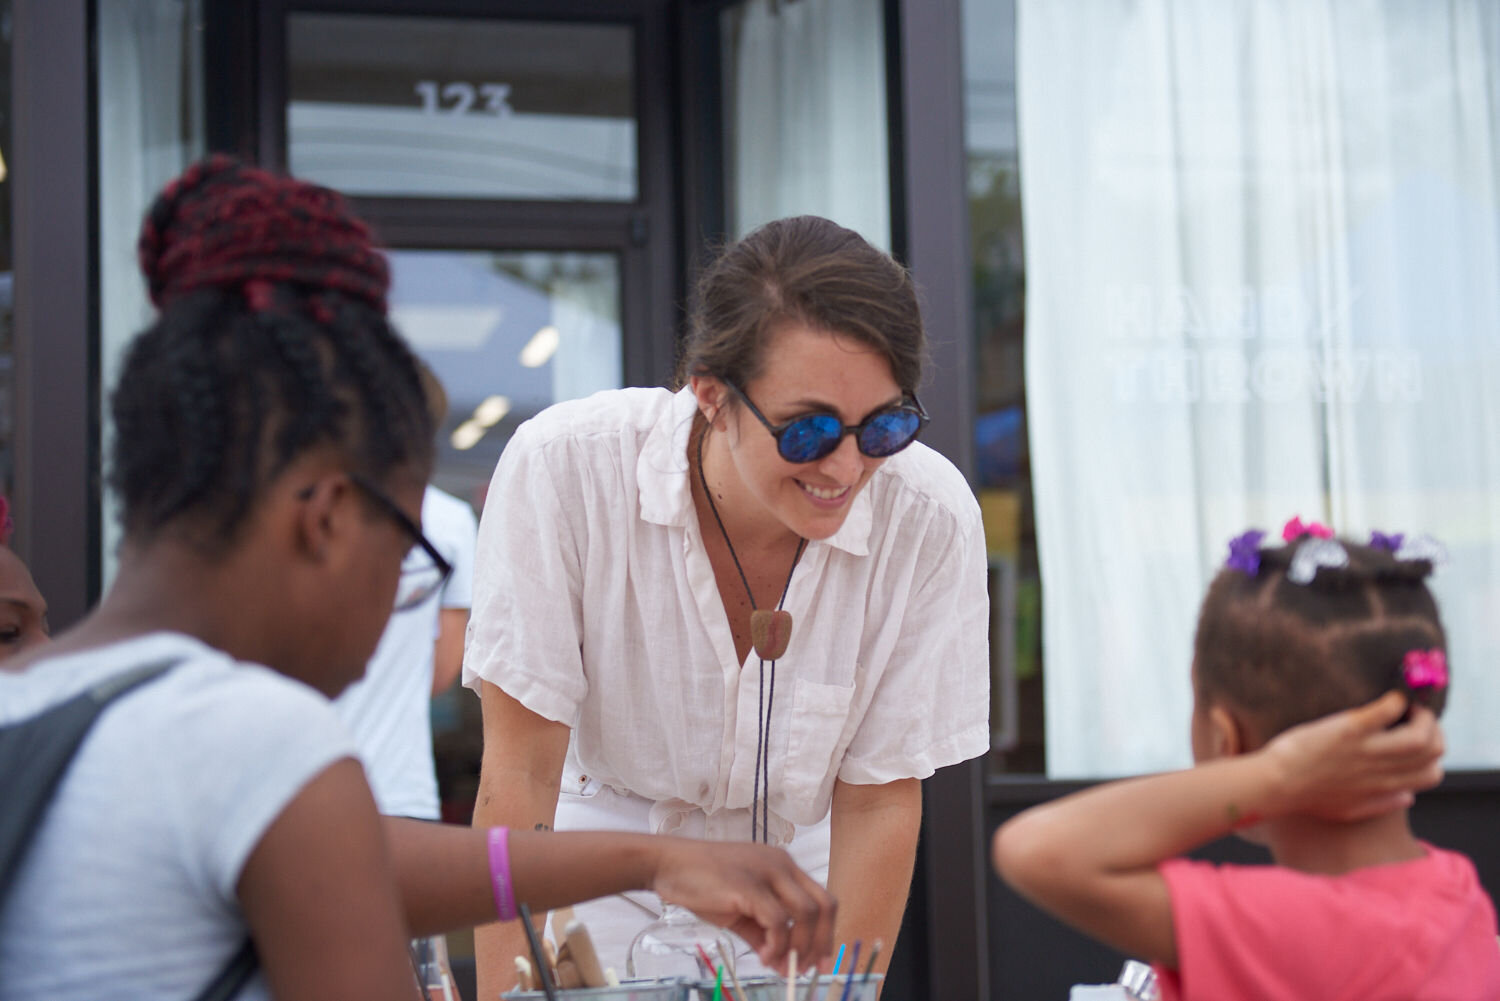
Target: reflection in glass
{"type": "Point", "coordinates": [447, 107]}
{"type": "Point", "coordinates": [149, 99]}
{"type": "Point", "coordinates": [1002, 456]}
{"type": "Point", "coordinates": [507, 334]}
{"type": "Point", "coordinates": [805, 114]}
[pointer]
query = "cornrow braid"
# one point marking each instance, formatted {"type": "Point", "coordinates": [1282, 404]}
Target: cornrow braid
{"type": "Point", "coordinates": [271, 339]}
{"type": "Point", "coordinates": [1286, 653]}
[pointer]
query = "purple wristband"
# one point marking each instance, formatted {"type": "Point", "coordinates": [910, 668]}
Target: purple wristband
{"type": "Point", "coordinates": [505, 892]}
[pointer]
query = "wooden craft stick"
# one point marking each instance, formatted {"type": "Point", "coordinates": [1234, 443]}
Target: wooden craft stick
{"type": "Point", "coordinates": [739, 992]}
{"type": "Point", "coordinates": [581, 950]}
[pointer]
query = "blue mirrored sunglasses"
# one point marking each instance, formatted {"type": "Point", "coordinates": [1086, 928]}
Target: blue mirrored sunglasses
{"type": "Point", "coordinates": [810, 438]}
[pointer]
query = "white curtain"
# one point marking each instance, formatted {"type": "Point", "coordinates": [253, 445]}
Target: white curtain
{"type": "Point", "coordinates": [150, 108]}
{"type": "Point", "coordinates": [804, 92]}
{"type": "Point", "coordinates": [1263, 279]}
{"type": "Point", "coordinates": [586, 313]}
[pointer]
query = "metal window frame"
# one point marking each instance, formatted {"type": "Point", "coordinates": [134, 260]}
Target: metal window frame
{"type": "Point", "coordinates": [57, 486]}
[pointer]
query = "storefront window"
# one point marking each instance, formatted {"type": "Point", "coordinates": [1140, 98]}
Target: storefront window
{"type": "Point", "coordinates": [1262, 280]}
{"type": "Point", "coordinates": [1002, 458]}
{"type": "Point", "coordinates": [507, 334]}
{"type": "Point", "coordinates": [443, 107]}
{"type": "Point", "coordinates": [150, 126]}
{"type": "Point", "coordinates": [805, 111]}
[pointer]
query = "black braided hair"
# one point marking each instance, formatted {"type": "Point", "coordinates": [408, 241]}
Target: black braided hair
{"type": "Point", "coordinates": [271, 339]}
{"type": "Point", "coordinates": [1286, 653]}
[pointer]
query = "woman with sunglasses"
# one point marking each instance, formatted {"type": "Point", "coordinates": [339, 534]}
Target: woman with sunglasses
{"type": "Point", "coordinates": [752, 609]}
{"type": "Point", "coordinates": [270, 451]}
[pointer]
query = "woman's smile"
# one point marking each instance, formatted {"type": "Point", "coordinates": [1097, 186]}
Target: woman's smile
{"type": "Point", "coordinates": [825, 497]}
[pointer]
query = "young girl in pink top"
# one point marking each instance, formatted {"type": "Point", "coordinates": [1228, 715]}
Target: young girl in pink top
{"type": "Point", "coordinates": [1355, 906]}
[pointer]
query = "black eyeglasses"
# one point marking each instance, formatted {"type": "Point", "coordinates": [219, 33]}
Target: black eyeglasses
{"type": "Point", "coordinates": [423, 571]}
{"type": "Point", "coordinates": [813, 436]}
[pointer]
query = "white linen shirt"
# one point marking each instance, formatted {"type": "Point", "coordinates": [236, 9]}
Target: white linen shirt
{"type": "Point", "coordinates": [595, 605]}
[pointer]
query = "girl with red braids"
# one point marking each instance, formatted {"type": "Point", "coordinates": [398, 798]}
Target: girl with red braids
{"type": "Point", "coordinates": [272, 444]}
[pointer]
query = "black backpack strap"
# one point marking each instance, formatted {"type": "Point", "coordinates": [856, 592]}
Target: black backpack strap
{"type": "Point", "coordinates": [228, 982]}
{"type": "Point", "coordinates": [35, 754]}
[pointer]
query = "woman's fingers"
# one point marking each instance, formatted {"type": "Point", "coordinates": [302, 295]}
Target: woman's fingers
{"type": "Point", "coordinates": [810, 909]}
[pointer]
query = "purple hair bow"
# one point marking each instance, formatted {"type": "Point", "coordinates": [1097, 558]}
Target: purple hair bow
{"type": "Point", "coordinates": [1244, 552]}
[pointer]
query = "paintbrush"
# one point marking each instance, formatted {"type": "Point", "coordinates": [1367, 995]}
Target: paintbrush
{"type": "Point", "coordinates": [812, 985]}
{"type": "Point", "coordinates": [542, 972]}
{"type": "Point", "coordinates": [869, 964]}
{"type": "Point", "coordinates": [708, 964]}
{"type": "Point", "coordinates": [849, 977]}
{"type": "Point", "coordinates": [734, 978]}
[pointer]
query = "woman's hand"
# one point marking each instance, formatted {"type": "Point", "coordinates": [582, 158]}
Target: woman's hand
{"type": "Point", "coordinates": [1354, 764]}
{"type": "Point", "coordinates": [755, 891]}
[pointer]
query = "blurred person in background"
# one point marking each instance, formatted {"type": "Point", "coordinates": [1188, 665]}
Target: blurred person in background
{"type": "Point", "coordinates": [419, 655]}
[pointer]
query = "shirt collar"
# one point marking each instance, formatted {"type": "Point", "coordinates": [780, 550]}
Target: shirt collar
{"type": "Point", "coordinates": [666, 494]}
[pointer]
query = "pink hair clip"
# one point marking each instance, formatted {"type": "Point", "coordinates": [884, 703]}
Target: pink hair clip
{"type": "Point", "coordinates": [5, 523]}
{"type": "Point", "coordinates": [1425, 669]}
{"type": "Point", "coordinates": [1296, 529]}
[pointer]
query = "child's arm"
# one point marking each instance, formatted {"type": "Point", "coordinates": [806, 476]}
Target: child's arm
{"type": "Point", "coordinates": [754, 890]}
{"type": "Point", "coordinates": [1091, 858]}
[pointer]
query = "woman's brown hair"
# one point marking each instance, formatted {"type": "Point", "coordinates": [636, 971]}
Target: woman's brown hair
{"type": "Point", "coordinates": [806, 270]}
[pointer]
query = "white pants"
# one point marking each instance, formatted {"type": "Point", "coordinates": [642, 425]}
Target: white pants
{"type": "Point", "coordinates": [613, 922]}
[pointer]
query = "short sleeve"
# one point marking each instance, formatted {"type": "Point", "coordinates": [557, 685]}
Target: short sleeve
{"type": "Point", "coordinates": [930, 703]}
{"type": "Point", "coordinates": [258, 740]}
{"type": "Point", "coordinates": [1260, 931]}
{"type": "Point", "coordinates": [526, 623]}
{"type": "Point", "coordinates": [455, 533]}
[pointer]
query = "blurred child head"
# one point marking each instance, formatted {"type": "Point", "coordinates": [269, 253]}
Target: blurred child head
{"type": "Point", "coordinates": [1294, 632]}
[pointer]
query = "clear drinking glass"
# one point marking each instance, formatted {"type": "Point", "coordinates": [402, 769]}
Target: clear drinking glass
{"type": "Point", "coordinates": [674, 945]}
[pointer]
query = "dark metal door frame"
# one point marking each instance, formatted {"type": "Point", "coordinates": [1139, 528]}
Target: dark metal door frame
{"type": "Point", "coordinates": [57, 484]}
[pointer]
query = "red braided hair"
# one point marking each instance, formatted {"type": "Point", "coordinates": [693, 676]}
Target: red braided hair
{"type": "Point", "coordinates": [228, 225]}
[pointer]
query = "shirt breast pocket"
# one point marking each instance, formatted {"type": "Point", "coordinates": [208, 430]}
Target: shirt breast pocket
{"type": "Point", "coordinates": [815, 734]}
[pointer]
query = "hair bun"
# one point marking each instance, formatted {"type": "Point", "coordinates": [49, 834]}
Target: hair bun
{"type": "Point", "coordinates": [225, 224]}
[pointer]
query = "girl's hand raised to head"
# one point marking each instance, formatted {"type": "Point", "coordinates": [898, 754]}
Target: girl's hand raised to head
{"type": "Point", "coordinates": [755, 891]}
{"type": "Point", "coordinates": [1359, 763]}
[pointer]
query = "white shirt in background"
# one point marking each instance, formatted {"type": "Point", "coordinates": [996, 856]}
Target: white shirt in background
{"type": "Point", "coordinates": [388, 710]}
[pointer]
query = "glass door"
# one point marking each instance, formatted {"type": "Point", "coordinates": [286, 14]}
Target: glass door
{"type": "Point", "coordinates": [514, 158]}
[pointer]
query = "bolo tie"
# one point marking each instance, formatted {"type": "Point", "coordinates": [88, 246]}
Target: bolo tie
{"type": "Point", "coordinates": [770, 632]}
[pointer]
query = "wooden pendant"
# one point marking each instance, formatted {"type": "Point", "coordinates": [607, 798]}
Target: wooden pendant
{"type": "Point", "coordinates": [770, 632]}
